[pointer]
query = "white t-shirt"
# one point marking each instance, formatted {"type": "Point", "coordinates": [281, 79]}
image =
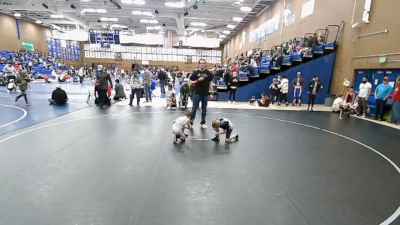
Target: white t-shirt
{"type": "Point", "coordinates": [337, 103]}
{"type": "Point", "coordinates": [364, 89]}
{"type": "Point", "coordinates": [179, 124]}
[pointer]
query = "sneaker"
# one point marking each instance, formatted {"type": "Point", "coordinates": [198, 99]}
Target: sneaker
{"type": "Point", "coordinates": [230, 101]}
{"type": "Point", "coordinates": [216, 139]}
{"type": "Point", "coordinates": [308, 109]}
{"type": "Point", "coordinates": [203, 126]}
{"type": "Point", "coordinates": [234, 102]}
{"type": "Point", "coordinates": [237, 137]}
{"type": "Point", "coordinates": [312, 110]}
{"type": "Point", "coordinates": [363, 116]}
{"type": "Point", "coordinates": [168, 108]}
{"type": "Point", "coordinates": [28, 104]}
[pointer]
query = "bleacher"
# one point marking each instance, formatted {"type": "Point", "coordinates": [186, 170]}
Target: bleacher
{"type": "Point", "coordinates": [302, 49]}
{"type": "Point", "coordinates": [39, 71]}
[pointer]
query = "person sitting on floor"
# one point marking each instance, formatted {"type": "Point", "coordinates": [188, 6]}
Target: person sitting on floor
{"type": "Point", "coordinates": [119, 91]}
{"type": "Point", "coordinates": [253, 100]}
{"type": "Point", "coordinates": [264, 101]}
{"type": "Point", "coordinates": [171, 102]}
{"type": "Point", "coordinates": [58, 97]}
{"type": "Point", "coordinates": [11, 87]}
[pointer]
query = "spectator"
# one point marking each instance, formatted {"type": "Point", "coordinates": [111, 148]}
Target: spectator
{"type": "Point", "coordinates": [22, 82]}
{"type": "Point", "coordinates": [314, 86]}
{"type": "Point", "coordinates": [119, 91]}
{"type": "Point", "coordinates": [104, 79]}
{"type": "Point", "coordinates": [184, 94]}
{"type": "Point", "coordinates": [284, 86]}
{"type": "Point", "coordinates": [382, 93]}
{"type": "Point", "coordinates": [81, 74]}
{"type": "Point", "coordinates": [136, 85]}
{"type": "Point", "coordinates": [9, 71]}
{"type": "Point", "coordinates": [337, 103]}
{"type": "Point", "coordinates": [274, 87]}
{"type": "Point", "coordinates": [363, 95]}
{"type": "Point", "coordinates": [147, 83]}
{"type": "Point", "coordinates": [395, 114]}
{"type": "Point", "coordinates": [264, 101]}
{"type": "Point", "coordinates": [232, 86]}
{"type": "Point", "coordinates": [162, 76]}
{"type": "Point", "coordinates": [58, 97]}
{"type": "Point", "coordinates": [202, 79]}
{"type": "Point", "coordinates": [297, 89]}
{"type": "Point", "coordinates": [11, 87]}
{"type": "Point", "coordinates": [169, 92]}
{"type": "Point", "coordinates": [171, 102]}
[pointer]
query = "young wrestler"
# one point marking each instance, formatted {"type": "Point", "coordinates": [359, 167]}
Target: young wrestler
{"type": "Point", "coordinates": [179, 126]}
{"type": "Point", "coordinates": [227, 127]}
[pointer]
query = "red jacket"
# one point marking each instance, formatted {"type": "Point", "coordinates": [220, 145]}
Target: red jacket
{"type": "Point", "coordinates": [396, 93]}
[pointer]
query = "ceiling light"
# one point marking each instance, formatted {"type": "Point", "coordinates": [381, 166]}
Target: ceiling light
{"type": "Point", "coordinates": [147, 13]}
{"type": "Point", "coordinates": [226, 32]}
{"type": "Point", "coordinates": [101, 10]}
{"type": "Point", "coordinates": [117, 26]}
{"type": "Point", "coordinates": [139, 2]}
{"type": "Point", "coordinates": [108, 19]}
{"type": "Point", "coordinates": [89, 10]}
{"type": "Point", "coordinates": [237, 19]}
{"type": "Point", "coordinates": [230, 26]}
{"type": "Point", "coordinates": [17, 14]}
{"type": "Point", "coordinates": [161, 32]}
{"type": "Point", "coordinates": [153, 21]}
{"type": "Point", "coordinates": [136, 13]}
{"type": "Point", "coordinates": [136, 2]}
{"type": "Point", "coordinates": [222, 36]}
{"type": "Point", "coordinates": [153, 28]}
{"type": "Point", "coordinates": [198, 24]}
{"type": "Point", "coordinates": [236, 3]}
{"type": "Point", "coordinates": [245, 9]}
{"type": "Point", "coordinates": [38, 21]}
{"type": "Point", "coordinates": [57, 16]}
{"type": "Point", "coordinates": [175, 4]}
{"type": "Point", "coordinates": [144, 21]}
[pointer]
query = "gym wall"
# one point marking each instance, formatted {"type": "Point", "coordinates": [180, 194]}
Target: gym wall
{"type": "Point", "coordinates": [127, 64]}
{"type": "Point", "coordinates": [30, 32]}
{"type": "Point", "coordinates": [382, 16]}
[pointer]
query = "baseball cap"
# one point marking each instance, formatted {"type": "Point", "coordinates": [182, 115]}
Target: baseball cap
{"type": "Point", "coordinates": [386, 78]}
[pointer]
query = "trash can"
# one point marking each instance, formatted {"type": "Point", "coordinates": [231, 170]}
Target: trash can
{"type": "Point", "coordinates": [329, 100]}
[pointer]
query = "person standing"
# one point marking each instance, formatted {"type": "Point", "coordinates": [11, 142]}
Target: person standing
{"type": "Point", "coordinates": [104, 78]}
{"type": "Point", "coordinates": [314, 86]}
{"type": "Point", "coordinates": [162, 76]}
{"type": "Point", "coordinates": [363, 95]}
{"type": "Point", "coordinates": [147, 83]}
{"type": "Point", "coordinates": [395, 114]}
{"type": "Point", "coordinates": [81, 74]}
{"type": "Point", "coordinates": [233, 85]}
{"type": "Point", "coordinates": [297, 89]}
{"type": "Point", "coordinates": [201, 80]}
{"type": "Point", "coordinates": [22, 82]}
{"type": "Point", "coordinates": [136, 88]}
{"type": "Point", "coordinates": [284, 86]}
{"type": "Point", "coordinates": [382, 93]}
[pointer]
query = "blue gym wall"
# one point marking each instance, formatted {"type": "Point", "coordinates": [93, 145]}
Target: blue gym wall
{"type": "Point", "coordinates": [322, 66]}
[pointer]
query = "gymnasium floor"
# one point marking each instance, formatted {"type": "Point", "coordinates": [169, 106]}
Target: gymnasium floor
{"type": "Point", "coordinates": [118, 166]}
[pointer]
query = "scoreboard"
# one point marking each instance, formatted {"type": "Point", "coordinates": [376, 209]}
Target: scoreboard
{"type": "Point", "coordinates": [104, 37]}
